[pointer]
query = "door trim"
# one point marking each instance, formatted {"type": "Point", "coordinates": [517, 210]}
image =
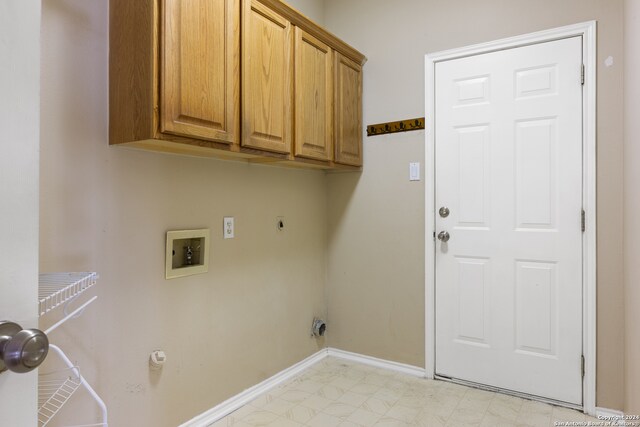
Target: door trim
{"type": "Point", "coordinates": [587, 30]}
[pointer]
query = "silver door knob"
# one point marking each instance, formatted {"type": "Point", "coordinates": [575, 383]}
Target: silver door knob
{"type": "Point", "coordinates": [443, 236]}
{"type": "Point", "coordinates": [21, 350]}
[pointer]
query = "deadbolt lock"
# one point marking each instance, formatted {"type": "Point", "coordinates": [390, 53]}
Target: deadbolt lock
{"type": "Point", "coordinates": [444, 212]}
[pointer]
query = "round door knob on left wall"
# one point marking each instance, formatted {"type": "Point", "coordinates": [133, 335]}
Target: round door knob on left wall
{"type": "Point", "coordinates": [21, 350]}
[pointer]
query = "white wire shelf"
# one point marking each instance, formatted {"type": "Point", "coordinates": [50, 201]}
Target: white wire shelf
{"type": "Point", "coordinates": [58, 288]}
{"type": "Point", "coordinates": [54, 390]}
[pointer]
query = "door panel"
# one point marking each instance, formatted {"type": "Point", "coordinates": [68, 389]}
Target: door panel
{"type": "Point", "coordinates": [200, 90]}
{"type": "Point", "coordinates": [473, 280]}
{"type": "Point", "coordinates": [474, 187]}
{"type": "Point", "coordinates": [348, 111]}
{"type": "Point", "coordinates": [535, 178]}
{"type": "Point", "coordinates": [508, 132]}
{"type": "Point", "coordinates": [314, 96]}
{"type": "Point", "coordinates": [267, 79]}
{"type": "Point", "coordinates": [536, 306]}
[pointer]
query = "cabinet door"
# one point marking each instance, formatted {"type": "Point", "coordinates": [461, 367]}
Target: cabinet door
{"type": "Point", "coordinates": [348, 111]}
{"type": "Point", "coordinates": [313, 97]}
{"type": "Point", "coordinates": [267, 79]}
{"type": "Point", "coordinates": [200, 83]}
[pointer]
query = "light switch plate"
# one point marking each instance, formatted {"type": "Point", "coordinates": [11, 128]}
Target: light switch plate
{"type": "Point", "coordinates": [414, 171]}
{"type": "Point", "coordinates": [228, 227]}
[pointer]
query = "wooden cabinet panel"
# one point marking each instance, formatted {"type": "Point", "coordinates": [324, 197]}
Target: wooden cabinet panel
{"type": "Point", "coordinates": [348, 111]}
{"type": "Point", "coordinates": [200, 86]}
{"type": "Point", "coordinates": [267, 79]}
{"type": "Point", "coordinates": [313, 97]}
{"type": "Point", "coordinates": [132, 70]}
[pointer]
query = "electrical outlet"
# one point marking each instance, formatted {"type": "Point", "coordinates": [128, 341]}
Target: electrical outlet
{"type": "Point", "coordinates": [229, 227]}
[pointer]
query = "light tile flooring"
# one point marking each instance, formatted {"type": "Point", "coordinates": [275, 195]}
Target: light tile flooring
{"type": "Point", "coordinates": [336, 392]}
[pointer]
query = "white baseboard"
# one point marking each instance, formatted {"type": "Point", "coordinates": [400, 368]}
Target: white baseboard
{"type": "Point", "coordinates": [378, 363]}
{"type": "Point", "coordinates": [239, 400]}
{"type": "Point", "coordinates": [608, 414]}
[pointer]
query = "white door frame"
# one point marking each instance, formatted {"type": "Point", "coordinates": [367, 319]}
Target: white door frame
{"type": "Point", "coordinates": [588, 32]}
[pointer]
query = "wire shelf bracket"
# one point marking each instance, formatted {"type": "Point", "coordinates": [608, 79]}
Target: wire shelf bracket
{"type": "Point", "coordinates": [54, 390]}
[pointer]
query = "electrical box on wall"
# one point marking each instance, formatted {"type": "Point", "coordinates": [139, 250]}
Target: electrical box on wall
{"type": "Point", "coordinates": [187, 253]}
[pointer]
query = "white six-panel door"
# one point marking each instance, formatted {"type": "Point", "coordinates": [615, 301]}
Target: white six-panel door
{"type": "Point", "coordinates": [508, 166]}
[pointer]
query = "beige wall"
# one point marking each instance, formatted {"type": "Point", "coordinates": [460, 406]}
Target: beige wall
{"type": "Point", "coordinates": [107, 209]}
{"type": "Point", "coordinates": [632, 204]}
{"type": "Point", "coordinates": [313, 9]}
{"type": "Point", "coordinates": [376, 220]}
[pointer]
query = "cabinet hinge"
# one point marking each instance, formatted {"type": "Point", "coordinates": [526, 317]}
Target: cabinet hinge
{"type": "Point", "coordinates": [583, 220]}
{"type": "Point", "coordinates": [582, 74]}
{"type": "Point", "coordinates": [582, 365]}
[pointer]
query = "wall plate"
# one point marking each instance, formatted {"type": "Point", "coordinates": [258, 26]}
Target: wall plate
{"type": "Point", "coordinates": [228, 227]}
{"type": "Point", "coordinates": [187, 253]}
{"type": "Point", "coordinates": [414, 171]}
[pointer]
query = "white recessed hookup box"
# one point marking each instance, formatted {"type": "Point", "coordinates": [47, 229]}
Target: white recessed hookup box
{"type": "Point", "coordinates": [187, 253]}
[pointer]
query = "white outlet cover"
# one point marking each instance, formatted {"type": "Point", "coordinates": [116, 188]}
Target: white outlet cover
{"type": "Point", "coordinates": [228, 227]}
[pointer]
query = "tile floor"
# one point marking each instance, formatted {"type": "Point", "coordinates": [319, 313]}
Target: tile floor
{"type": "Point", "coordinates": [341, 393]}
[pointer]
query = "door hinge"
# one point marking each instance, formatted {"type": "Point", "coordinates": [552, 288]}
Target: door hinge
{"type": "Point", "coordinates": [582, 74]}
{"type": "Point", "coordinates": [583, 220]}
{"type": "Point", "coordinates": [582, 365]}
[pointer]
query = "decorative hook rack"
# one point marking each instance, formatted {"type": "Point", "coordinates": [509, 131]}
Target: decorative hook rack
{"type": "Point", "coordinates": [393, 127]}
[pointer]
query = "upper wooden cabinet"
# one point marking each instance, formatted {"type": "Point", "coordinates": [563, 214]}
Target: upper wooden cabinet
{"type": "Point", "coordinates": [348, 111]}
{"type": "Point", "coordinates": [267, 79]}
{"type": "Point", "coordinates": [239, 79]}
{"type": "Point", "coordinates": [314, 97]}
{"type": "Point", "coordinates": [200, 86]}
